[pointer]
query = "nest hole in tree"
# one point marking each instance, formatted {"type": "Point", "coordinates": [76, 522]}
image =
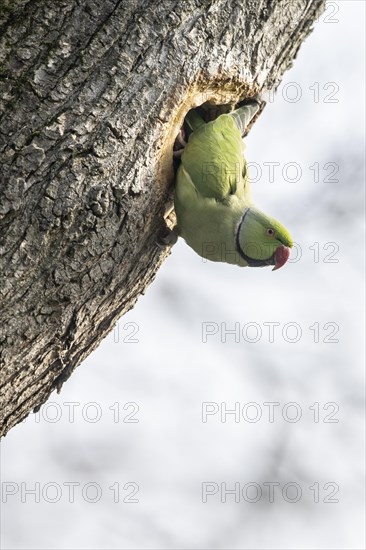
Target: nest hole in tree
{"type": "Point", "coordinates": [210, 101]}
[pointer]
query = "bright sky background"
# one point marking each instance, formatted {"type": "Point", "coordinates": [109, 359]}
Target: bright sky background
{"type": "Point", "coordinates": [167, 375]}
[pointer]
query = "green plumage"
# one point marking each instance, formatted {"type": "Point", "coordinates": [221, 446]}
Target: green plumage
{"type": "Point", "coordinates": [212, 195]}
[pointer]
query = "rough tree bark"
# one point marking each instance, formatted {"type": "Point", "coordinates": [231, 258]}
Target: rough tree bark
{"type": "Point", "coordinates": [92, 95]}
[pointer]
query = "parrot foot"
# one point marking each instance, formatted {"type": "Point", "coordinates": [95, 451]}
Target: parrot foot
{"type": "Point", "coordinates": [177, 154]}
{"type": "Point", "coordinates": [167, 237]}
{"type": "Point", "coordinates": [257, 98]}
{"type": "Point", "coordinates": [180, 141]}
{"type": "Point", "coordinates": [179, 144]}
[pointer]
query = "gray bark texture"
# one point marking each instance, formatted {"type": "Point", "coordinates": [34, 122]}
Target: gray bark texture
{"type": "Point", "coordinates": [92, 96]}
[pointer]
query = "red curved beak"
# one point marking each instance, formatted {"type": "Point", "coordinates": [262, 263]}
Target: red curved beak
{"type": "Point", "coordinates": [281, 255]}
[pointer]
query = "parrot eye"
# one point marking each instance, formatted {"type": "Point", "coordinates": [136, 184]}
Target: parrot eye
{"type": "Point", "coordinates": [270, 232]}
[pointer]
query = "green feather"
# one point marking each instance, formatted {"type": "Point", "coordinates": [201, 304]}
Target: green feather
{"type": "Point", "coordinates": [213, 159]}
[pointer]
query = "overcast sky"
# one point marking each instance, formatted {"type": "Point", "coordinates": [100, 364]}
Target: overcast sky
{"type": "Point", "coordinates": [140, 449]}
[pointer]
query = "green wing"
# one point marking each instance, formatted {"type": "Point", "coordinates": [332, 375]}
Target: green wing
{"type": "Point", "coordinates": [213, 160]}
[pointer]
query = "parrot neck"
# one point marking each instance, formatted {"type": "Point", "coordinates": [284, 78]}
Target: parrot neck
{"type": "Point", "coordinates": [250, 261]}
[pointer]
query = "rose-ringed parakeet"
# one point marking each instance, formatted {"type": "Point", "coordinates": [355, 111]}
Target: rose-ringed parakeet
{"type": "Point", "coordinates": [215, 212]}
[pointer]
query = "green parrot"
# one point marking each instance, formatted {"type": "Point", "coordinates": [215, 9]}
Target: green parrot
{"type": "Point", "coordinates": [216, 215]}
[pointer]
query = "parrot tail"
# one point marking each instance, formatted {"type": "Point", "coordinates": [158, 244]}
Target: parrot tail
{"type": "Point", "coordinates": [244, 115]}
{"type": "Point", "coordinates": [193, 120]}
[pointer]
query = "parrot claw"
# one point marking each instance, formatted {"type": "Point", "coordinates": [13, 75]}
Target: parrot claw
{"type": "Point", "coordinates": [167, 237]}
{"type": "Point", "coordinates": [179, 143]}
{"type": "Point", "coordinates": [257, 98]}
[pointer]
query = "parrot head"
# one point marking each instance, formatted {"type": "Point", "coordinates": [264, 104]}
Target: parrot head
{"type": "Point", "coordinates": [261, 240]}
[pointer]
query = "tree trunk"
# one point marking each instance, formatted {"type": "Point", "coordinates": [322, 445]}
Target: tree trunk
{"type": "Point", "coordinates": [92, 96]}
